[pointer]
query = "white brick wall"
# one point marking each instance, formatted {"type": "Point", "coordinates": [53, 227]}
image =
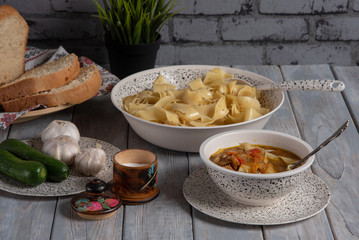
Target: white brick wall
{"type": "Point", "coordinates": [210, 7]}
{"type": "Point", "coordinates": [216, 32]}
{"type": "Point", "coordinates": [81, 6]}
{"type": "Point", "coordinates": [356, 5]}
{"type": "Point", "coordinates": [195, 29]}
{"type": "Point", "coordinates": [220, 55]}
{"type": "Point", "coordinates": [337, 29]}
{"type": "Point", "coordinates": [302, 6]}
{"type": "Point", "coordinates": [70, 28]}
{"type": "Point", "coordinates": [33, 7]}
{"type": "Point", "coordinates": [309, 54]}
{"type": "Point", "coordinates": [264, 29]}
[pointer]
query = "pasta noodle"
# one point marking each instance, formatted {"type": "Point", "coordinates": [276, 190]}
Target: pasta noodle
{"type": "Point", "coordinates": [209, 102]}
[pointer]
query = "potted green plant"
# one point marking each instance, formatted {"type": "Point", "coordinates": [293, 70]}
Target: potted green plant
{"type": "Point", "coordinates": [132, 32]}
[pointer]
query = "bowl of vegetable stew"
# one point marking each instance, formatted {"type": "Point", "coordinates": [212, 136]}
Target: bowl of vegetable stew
{"type": "Point", "coordinates": [178, 107]}
{"type": "Point", "coordinates": [254, 167]}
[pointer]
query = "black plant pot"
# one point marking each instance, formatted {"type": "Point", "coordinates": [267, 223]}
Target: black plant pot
{"type": "Point", "coordinates": [128, 59]}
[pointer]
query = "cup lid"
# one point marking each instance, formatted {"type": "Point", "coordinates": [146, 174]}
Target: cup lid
{"type": "Point", "coordinates": [97, 202]}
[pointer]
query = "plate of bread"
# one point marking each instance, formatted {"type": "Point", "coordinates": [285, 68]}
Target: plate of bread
{"type": "Point", "coordinates": [31, 115]}
{"type": "Point", "coordinates": [56, 84]}
{"type": "Point", "coordinates": [53, 84]}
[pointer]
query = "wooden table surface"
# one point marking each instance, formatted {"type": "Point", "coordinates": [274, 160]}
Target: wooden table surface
{"type": "Point", "coordinates": [312, 116]}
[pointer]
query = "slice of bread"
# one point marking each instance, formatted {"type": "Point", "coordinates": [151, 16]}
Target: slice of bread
{"type": "Point", "coordinates": [45, 77]}
{"type": "Point", "coordinates": [82, 88]}
{"type": "Point", "coordinates": [13, 40]}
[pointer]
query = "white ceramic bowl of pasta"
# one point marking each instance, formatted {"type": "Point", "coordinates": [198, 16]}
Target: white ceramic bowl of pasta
{"type": "Point", "coordinates": [250, 188]}
{"type": "Point", "coordinates": [183, 138]}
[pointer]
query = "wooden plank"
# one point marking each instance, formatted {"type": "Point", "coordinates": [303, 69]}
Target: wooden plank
{"type": "Point", "coordinates": [214, 228]}
{"type": "Point", "coordinates": [207, 227]}
{"type": "Point", "coordinates": [318, 115]}
{"type": "Point", "coordinates": [169, 215]}
{"type": "Point", "coordinates": [283, 120]}
{"type": "Point", "coordinates": [96, 118]}
{"type": "Point", "coordinates": [33, 128]}
{"type": "Point", "coordinates": [350, 76]}
{"type": "Point", "coordinates": [99, 118]}
{"type": "Point", "coordinates": [68, 225]}
{"type": "Point", "coordinates": [4, 133]}
{"type": "Point", "coordinates": [25, 217]}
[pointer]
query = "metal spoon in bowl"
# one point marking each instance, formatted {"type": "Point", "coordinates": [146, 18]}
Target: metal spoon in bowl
{"type": "Point", "coordinates": [306, 85]}
{"type": "Point", "coordinates": [335, 135]}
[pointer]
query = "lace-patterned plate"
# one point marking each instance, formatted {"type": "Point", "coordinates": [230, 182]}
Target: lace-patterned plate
{"type": "Point", "coordinates": [309, 199]}
{"type": "Point", "coordinates": [74, 184]}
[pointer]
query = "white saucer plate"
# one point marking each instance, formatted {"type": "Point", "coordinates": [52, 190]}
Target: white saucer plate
{"type": "Point", "coordinates": [310, 198]}
{"type": "Point", "coordinates": [74, 184]}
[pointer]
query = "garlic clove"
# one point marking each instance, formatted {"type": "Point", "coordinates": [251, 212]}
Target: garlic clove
{"type": "Point", "coordinates": [63, 148]}
{"type": "Point", "coordinates": [60, 127]}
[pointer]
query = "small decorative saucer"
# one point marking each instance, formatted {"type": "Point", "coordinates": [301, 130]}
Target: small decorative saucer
{"type": "Point", "coordinates": [311, 197]}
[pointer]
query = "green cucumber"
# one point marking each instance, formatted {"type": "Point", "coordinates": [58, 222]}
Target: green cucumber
{"type": "Point", "coordinates": [57, 171]}
{"type": "Point", "coordinates": [28, 172]}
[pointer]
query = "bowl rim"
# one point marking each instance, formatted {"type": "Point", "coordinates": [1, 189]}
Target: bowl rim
{"type": "Point", "coordinates": [210, 164]}
{"type": "Point", "coordinates": [130, 77]}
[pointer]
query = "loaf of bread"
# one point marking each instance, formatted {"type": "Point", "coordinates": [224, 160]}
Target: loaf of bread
{"type": "Point", "coordinates": [45, 77]}
{"type": "Point", "coordinates": [13, 40]}
{"type": "Point", "coordinates": [82, 88]}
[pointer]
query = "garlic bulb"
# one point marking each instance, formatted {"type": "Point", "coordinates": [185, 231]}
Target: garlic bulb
{"type": "Point", "coordinates": [63, 148]}
{"type": "Point", "coordinates": [91, 161]}
{"type": "Point", "coordinates": [60, 127]}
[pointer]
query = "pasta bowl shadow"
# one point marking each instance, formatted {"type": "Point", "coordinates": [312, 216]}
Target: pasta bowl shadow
{"type": "Point", "coordinates": [187, 138]}
{"type": "Point", "coordinates": [252, 188]}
